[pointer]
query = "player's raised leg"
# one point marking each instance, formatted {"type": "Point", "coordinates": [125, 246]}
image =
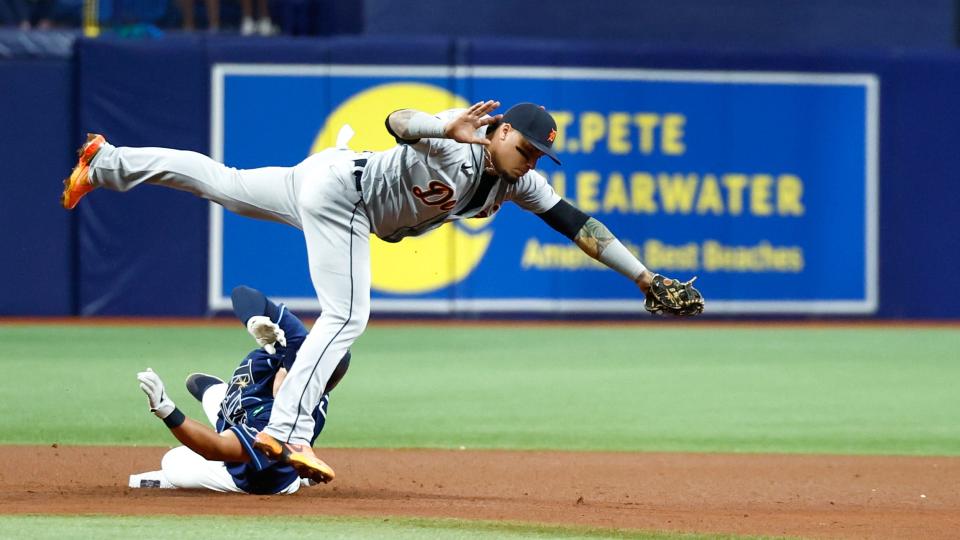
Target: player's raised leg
{"type": "Point", "coordinates": [337, 234]}
{"type": "Point", "coordinates": [78, 183]}
{"type": "Point", "coordinates": [209, 391]}
{"type": "Point", "coordinates": [265, 193]}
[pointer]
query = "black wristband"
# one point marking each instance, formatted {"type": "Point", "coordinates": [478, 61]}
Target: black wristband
{"type": "Point", "coordinates": [174, 419]}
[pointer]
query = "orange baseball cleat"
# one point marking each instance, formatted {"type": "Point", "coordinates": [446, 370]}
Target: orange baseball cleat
{"type": "Point", "coordinates": [298, 456]}
{"type": "Point", "coordinates": [78, 184]}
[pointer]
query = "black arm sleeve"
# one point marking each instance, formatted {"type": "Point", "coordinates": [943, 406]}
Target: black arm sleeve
{"type": "Point", "coordinates": [565, 218]}
{"type": "Point", "coordinates": [386, 123]}
{"type": "Point", "coordinates": [249, 302]}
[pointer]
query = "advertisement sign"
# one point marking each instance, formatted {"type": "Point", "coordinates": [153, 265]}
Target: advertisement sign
{"type": "Point", "coordinates": [762, 184]}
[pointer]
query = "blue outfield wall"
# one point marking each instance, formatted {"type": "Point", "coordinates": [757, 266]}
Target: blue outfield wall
{"type": "Point", "coordinates": [143, 252]}
{"type": "Point", "coordinates": [146, 251]}
{"type": "Point", "coordinates": [36, 277]}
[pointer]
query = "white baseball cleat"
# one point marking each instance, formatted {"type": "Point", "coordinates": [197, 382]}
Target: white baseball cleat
{"type": "Point", "coordinates": [152, 479]}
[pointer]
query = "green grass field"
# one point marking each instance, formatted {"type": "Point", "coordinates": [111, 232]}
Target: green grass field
{"type": "Point", "coordinates": [648, 388]}
{"type": "Point", "coordinates": [328, 528]}
{"type": "Point", "coordinates": [865, 391]}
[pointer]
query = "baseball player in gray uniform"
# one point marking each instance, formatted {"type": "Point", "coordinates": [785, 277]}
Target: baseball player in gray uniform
{"type": "Point", "coordinates": [457, 164]}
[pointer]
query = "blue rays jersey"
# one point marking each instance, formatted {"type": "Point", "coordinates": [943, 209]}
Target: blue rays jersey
{"type": "Point", "coordinates": [249, 400]}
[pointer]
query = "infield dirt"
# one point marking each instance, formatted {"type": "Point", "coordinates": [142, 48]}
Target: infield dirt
{"type": "Point", "coordinates": [808, 496]}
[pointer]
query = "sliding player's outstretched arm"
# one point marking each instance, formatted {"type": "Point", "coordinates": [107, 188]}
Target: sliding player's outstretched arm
{"type": "Point", "coordinates": [213, 446]}
{"type": "Point", "coordinates": [198, 437]}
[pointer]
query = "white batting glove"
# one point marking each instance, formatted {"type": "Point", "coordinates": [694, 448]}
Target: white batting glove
{"type": "Point", "coordinates": [266, 332]}
{"type": "Point", "coordinates": [160, 403]}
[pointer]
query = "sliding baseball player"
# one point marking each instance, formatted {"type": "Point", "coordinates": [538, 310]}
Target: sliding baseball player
{"type": "Point", "coordinates": [224, 458]}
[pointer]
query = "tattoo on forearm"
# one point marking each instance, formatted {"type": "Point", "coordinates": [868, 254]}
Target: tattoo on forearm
{"type": "Point", "coordinates": [400, 122]}
{"type": "Point", "coordinates": [593, 238]}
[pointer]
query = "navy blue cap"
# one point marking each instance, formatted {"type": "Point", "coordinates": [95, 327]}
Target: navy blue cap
{"type": "Point", "coordinates": [536, 125]}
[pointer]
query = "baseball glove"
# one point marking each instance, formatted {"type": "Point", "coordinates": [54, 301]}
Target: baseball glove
{"type": "Point", "coordinates": [672, 297]}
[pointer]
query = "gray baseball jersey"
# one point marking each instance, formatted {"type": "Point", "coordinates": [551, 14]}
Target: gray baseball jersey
{"type": "Point", "coordinates": [414, 188]}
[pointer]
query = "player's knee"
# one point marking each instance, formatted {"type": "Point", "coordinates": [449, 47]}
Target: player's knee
{"type": "Point", "coordinates": [360, 320]}
{"type": "Point", "coordinates": [173, 466]}
{"type": "Point", "coordinates": [350, 323]}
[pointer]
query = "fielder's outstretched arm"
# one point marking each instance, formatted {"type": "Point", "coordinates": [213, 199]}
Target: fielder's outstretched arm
{"type": "Point", "coordinates": [597, 241]}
